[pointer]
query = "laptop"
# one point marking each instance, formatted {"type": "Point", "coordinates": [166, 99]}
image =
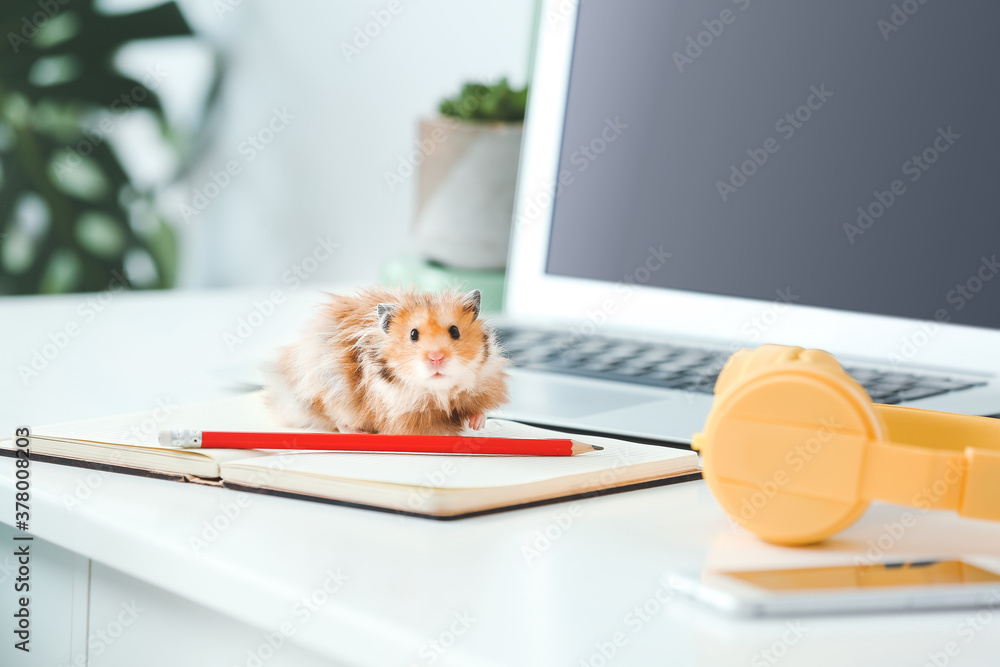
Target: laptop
{"type": "Point", "coordinates": [698, 177]}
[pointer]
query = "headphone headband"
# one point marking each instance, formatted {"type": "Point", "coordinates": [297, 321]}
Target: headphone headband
{"type": "Point", "coordinates": [937, 460]}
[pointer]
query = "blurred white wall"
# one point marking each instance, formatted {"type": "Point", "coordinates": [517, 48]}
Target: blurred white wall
{"type": "Point", "coordinates": [350, 119]}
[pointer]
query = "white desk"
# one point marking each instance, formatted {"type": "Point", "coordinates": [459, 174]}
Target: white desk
{"type": "Point", "coordinates": [393, 584]}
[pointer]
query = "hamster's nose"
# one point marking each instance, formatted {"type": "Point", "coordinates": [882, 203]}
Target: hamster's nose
{"type": "Point", "coordinates": [435, 357]}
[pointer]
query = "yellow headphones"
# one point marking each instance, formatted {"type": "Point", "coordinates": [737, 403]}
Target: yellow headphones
{"type": "Point", "coordinates": [795, 450]}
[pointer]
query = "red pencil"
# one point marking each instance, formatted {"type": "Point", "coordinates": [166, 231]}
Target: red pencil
{"type": "Point", "coordinates": [367, 442]}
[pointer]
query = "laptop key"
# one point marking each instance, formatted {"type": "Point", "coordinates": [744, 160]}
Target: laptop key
{"type": "Point", "coordinates": [665, 376]}
{"type": "Point", "coordinates": [697, 387]}
{"type": "Point", "coordinates": [620, 355]}
{"type": "Point", "coordinates": [606, 367]}
{"type": "Point", "coordinates": [880, 387]}
{"type": "Point", "coordinates": [918, 392]}
{"type": "Point", "coordinates": [631, 371]}
{"type": "Point", "coordinates": [681, 362]}
{"type": "Point", "coordinates": [588, 341]}
{"type": "Point", "coordinates": [639, 363]}
{"type": "Point", "coordinates": [948, 384]}
{"type": "Point", "coordinates": [564, 363]}
{"type": "Point", "coordinates": [898, 378]}
{"type": "Point", "coordinates": [534, 357]}
{"type": "Point", "coordinates": [655, 357]}
{"type": "Point", "coordinates": [863, 375]}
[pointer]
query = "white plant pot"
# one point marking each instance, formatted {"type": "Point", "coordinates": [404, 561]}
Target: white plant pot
{"type": "Point", "coordinates": [465, 192]}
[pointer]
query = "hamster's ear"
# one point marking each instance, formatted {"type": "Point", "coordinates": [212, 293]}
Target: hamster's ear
{"type": "Point", "coordinates": [385, 313]}
{"type": "Point", "coordinates": [472, 300]}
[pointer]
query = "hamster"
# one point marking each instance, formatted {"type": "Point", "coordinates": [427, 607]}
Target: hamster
{"type": "Point", "coordinates": [394, 362]}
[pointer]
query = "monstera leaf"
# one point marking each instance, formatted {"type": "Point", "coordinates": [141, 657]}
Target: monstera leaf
{"type": "Point", "coordinates": [70, 218]}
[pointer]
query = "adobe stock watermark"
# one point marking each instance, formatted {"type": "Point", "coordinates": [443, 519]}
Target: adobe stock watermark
{"type": "Point", "coordinates": [434, 648]}
{"type": "Point", "coordinates": [106, 125]}
{"type": "Point", "coordinates": [438, 478]}
{"type": "Point", "coordinates": [435, 479]}
{"type": "Point", "coordinates": [230, 510]}
{"type": "Point", "coordinates": [913, 169]}
{"type": "Point", "coordinates": [925, 500]}
{"type": "Point", "coordinates": [753, 329]}
{"type": "Point", "coordinates": [585, 155]}
{"type": "Point", "coordinates": [957, 298]}
{"type": "Point", "coordinates": [233, 504]}
{"type": "Point", "coordinates": [87, 484]}
{"type": "Point", "coordinates": [266, 474]}
{"type": "Point", "coordinates": [302, 610]}
{"type": "Point", "coordinates": [103, 638]}
{"type": "Point", "coordinates": [786, 126]}
{"type": "Point", "coordinates": [565, 516]}
{"type": "Point", "coordinates": [30, 25]}
{"type": "Point", "coordinates": [558, 14]}
{"type": "Point", "coordinates": [140, 433]}
{"type": "Point", "coordinates": [8, 568]}
{"type": "Point", "coordinates": [57, 341]}
{"type": "Point", "coordinates": [967, 630]}
{"type": "Point", "coordinates": [224, 7]}
{"type": "Point", "coordinates": [966, 291]}
{"type": "Point", "coordinates": [698, 43]}
{"type": "Point", "coordinates": [633, 622]}
{"type": "Point", "coordinates": [624, 290]}
{"type": "Point", "coordinates": [265, 308]}
{"type": "Point", "coordinates": [364, 34]}
{"type": "Point", "coordinates": [543, 538]}
{"type": "Point", "coordinates": [898, 17]}
{"type": "Point", "coordinates": [407, 164]}
{"type": "Point", "coordinates": [796, 460]}
{"type": "Point", "coordinates": [779, 648]}
{"type": "Point", "coordinates": [251, 147]}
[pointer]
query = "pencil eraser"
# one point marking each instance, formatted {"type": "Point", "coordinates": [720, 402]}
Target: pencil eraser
{"type": "Point", "coordinates": [182, 437]}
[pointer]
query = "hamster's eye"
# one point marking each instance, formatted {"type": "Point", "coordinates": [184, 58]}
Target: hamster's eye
{"type": "Point", "coordinates": [414, 334]}
{"type": "Point", "coordinates": [453, 332]}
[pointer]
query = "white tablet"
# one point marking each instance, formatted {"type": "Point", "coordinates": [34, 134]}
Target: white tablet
{"type": "Point", "coordinates": [940, 584]}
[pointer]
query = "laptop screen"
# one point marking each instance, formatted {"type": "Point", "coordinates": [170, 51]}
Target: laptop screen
{"type": "Point", "coordinates": [837, 154]}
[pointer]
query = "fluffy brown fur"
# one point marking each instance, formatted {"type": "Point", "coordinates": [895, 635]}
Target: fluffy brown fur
{"type": "Point", "coordinates": [353, 370]}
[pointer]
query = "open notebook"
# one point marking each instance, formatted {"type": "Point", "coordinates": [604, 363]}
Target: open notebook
{"type": "Point", "coordinates": [432, 485]}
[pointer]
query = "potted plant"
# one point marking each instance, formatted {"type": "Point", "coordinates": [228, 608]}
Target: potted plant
{"type": "Point", "coordinates": [467, 176]}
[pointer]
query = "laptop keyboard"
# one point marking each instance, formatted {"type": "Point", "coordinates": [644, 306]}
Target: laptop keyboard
{"type": "Point", "coordinates": [686, 368]}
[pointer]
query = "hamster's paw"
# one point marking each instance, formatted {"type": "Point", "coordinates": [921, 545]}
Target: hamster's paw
{"type": "Point", "coordinates": [344, 427]}
{"type": "Point", "coordinates": [477, 422]}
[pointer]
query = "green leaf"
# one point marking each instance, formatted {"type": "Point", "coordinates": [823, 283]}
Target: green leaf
{"type": "Point", "coordinates": [100, 234]}
{"type": "Point", "coordinates": [62, 272]}
{"type": "Point", "coordinates": [161, 243]}
{"type": "Point", "coordinates": [482, 102]}
{"type": "Point", "coordinates": [56, 77]}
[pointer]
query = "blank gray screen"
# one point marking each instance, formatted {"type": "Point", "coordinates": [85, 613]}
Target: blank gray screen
{"type": "Point", "coordinates": [843, 152]}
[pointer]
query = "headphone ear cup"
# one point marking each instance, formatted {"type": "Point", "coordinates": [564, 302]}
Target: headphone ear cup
{"type": "Point", "coordinates": [784, 445]}
{"type": "Point", "coordinates": [746, 362]}
{"type": "Point", "coordinates": [822, 359]}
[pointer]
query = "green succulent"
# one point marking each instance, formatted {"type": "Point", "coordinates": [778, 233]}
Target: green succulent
{"type": "Point", "coordinates": [70, 217]}
{"type": "Point", "coordinates": [483, 102]}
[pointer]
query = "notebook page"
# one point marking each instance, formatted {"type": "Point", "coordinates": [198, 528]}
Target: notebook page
{"type": "Point", "coordinates": [140, 430]}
